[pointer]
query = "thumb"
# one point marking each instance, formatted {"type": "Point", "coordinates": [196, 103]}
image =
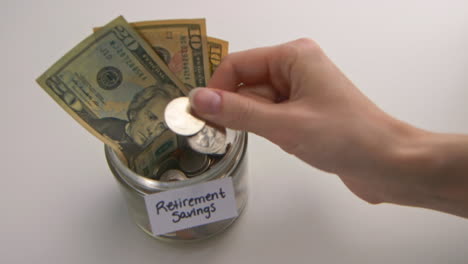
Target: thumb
{"type": "Point", "coordinates": [233, 110]}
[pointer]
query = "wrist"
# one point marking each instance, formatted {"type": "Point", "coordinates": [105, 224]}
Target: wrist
{"type": "Point", "coordinates": [433, 170]}
{"type": "Point", "coordinates": [415, 165]}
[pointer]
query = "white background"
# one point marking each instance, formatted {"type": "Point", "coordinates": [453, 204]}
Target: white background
{"type": "Point", "coordinates": [60, 204]}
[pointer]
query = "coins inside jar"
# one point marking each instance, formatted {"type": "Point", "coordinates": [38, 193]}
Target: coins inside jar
{"type": "Point", "coordinates": [167, 164]}
{"type": "Point", "coordinates": [173, 175]}
{"type": "Point", "coordinates": [194, 163]}
{"type": "Point", "coordinates": [200, 145]}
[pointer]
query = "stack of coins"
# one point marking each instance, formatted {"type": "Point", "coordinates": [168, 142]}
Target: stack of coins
{"type": "Point", "coordinates": [202, 144]}
{"type": "Point", "coordinates": [194, 163]}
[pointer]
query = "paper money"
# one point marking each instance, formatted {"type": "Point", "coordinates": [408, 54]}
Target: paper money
{"type": "Point", "coordinates": [183, 45]}
{"type": "Point", "coordinates": [117, 83]}
{"type": "Point", "coordinates": [147, 160]}
{"type": "Point", "coordinates": [217, 49]}
{"type": "Point", "coordinates": [117, 87]}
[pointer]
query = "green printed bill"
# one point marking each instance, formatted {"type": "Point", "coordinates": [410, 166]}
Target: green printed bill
{"type": "Point", "coordinates": [117, 87]}
{"type": "Point", "coordinates": [182, 44]}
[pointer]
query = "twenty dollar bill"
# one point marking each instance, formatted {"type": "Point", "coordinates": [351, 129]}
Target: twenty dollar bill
{"type": "Point", "coordinates": [115, 85]}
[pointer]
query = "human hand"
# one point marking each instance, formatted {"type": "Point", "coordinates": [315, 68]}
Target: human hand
{"type": "Point", "coordinates": [294, 96]}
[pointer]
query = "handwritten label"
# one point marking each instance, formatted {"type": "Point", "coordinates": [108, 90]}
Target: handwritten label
{"type": "Point", "coordinates": [191, 206]}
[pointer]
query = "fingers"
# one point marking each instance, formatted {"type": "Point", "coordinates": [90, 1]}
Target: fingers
{"type": "Point", "coordinates": [250, 66]}
{"type": "Point", "coordinates": [260, 92]}
{"type": "Point", "coordinates": [235, 111]}
{"type": "Point", "coordinates": [269, 65]}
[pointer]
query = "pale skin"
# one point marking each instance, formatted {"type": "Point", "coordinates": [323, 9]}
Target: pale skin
{"type": "Point", "coordinates": [293, 95]}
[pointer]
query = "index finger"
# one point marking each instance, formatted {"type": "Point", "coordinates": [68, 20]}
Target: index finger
{"type": "Point", "coordinates": [268, 65]}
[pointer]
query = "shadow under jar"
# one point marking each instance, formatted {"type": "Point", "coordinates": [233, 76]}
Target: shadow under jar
{"type": "Point", "coordinates": [135, 187]}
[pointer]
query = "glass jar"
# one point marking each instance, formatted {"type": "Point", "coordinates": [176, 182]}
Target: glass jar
{"type": "Point", "coordinates": [135, 187]}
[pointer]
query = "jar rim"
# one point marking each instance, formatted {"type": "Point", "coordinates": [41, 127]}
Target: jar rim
{"type": "Point", "coordinates": [147, 185]}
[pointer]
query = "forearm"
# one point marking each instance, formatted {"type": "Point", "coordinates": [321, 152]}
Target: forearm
{"type": "Point", "coordinates": [311, 110]}
{"type": "Point", "coordinates": [436, 168]}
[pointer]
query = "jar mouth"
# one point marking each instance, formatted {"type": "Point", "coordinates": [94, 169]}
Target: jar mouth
{"type": "Point", "coordinates": [237, 139]}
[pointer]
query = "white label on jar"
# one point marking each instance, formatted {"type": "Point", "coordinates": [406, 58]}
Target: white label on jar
{"type": "Point", "coordinates": [191, 206]}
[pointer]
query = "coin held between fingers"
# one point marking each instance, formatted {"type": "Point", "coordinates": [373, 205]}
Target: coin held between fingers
{"type": "Point", "coordinates": [179, 119]}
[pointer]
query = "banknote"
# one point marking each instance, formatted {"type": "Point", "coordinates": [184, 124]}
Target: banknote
{"type": "Point", "coordinates": [147, 160]}
{"type": "Point", "coordinates": [217, 49]}
{"type": "Point", "coordinates": [183, 45]}
{"type": "Point", "coordinates": [169, 40]}
{"type": "Point", "coordinates": [117, 87]}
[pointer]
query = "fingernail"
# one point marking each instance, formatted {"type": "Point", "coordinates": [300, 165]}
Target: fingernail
{"type": "Point", "coordinates": [205, 101]}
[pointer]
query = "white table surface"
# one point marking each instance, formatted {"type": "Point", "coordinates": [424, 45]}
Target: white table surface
{"type": "Point", "coordinates": [60, 204]}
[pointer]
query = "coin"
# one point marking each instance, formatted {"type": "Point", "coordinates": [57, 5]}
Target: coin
{"type": "Point", "coordinates": [209, 140]}
{"type": "Point", "coordinates": [223, 150]}
{"type": "Point", "coordinates": [165, 165]}
{"type": "Point", "coordinates": [193, 163]}
{"type": "Point", "coordinates": [179, 119]}
{"type": "Point", "coordinates": [173, 175]}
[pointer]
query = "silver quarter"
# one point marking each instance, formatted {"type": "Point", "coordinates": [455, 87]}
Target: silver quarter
{"type": "Point", "coordinates": [179, 119]}
{"type": "Point", "coordinates": [173, 175]}
{"type": "Point", "coordinates": [193, 163]}
{"type": "Point", "coordinates": [209, 140]}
